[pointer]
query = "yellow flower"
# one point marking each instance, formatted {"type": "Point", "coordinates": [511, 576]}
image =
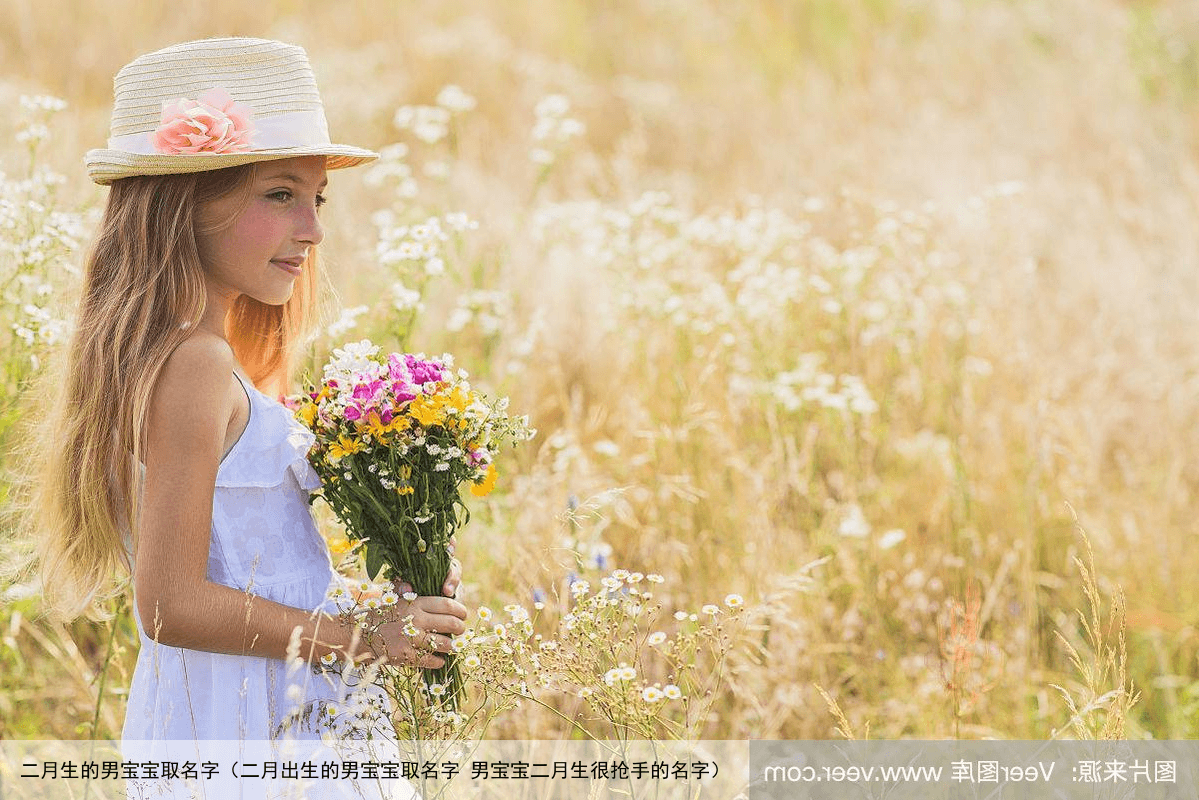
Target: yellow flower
{"type": "Point", "coordinates": [458, 399]}
{"type": "Point", "coordinates": [427, 411]}
{"type": "Point", "coordinates": [343, 447]}
{"type": "Point", "coordinates": [405, 471]}
{"type": "Point", "coordinates": [339, 545]}
{"type": "Point", "coordinates": [404, 490]}
{"type": "Point", "coordinates": [483, 488]}
{"type": "Point", "coordinates": [306, 414]}
{"type": "Point", "coordinates": [374, 425]}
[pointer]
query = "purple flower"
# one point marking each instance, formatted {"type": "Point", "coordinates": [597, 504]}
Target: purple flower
{"type": "Point", "coordinates": [423, 371]}
{"type": "Point", "coordinates": [402, 392]}
{"type": "Point", "coordinates": [353, 412]}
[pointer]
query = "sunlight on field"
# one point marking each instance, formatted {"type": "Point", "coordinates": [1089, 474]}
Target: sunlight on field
{"type": "Point", "coordinates": [838, 306]}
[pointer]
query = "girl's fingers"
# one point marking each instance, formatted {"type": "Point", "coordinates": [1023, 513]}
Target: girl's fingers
{"type": "Point", "coordinates": [454, 579]}
{"type": "Point", "coordinates": [425, 660]}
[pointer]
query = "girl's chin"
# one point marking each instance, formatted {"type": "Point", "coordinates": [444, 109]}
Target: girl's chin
{"type": "Point", "coordinates": [277, 298]}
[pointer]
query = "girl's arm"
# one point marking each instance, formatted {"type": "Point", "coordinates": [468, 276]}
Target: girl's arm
{"type": "Point", "coordinates": [190, 409]}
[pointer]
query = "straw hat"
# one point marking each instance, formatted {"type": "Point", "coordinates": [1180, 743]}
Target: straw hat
{"type": "Point", "coordinates": [216, 103]}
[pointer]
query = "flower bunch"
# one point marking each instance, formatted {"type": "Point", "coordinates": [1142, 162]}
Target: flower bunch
{"type": "Point", "coordinates": [397, 436]}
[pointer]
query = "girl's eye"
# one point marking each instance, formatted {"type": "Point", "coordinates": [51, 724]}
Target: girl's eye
{"type": "Point", "coordinates": [284, 195]}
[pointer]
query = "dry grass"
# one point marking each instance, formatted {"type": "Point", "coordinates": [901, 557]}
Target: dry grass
{"type": "Point", "coordinates": [1026, 347]}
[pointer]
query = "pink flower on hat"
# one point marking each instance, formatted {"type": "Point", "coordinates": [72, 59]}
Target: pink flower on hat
{"type": "Point", "coordinates": [215, 123]}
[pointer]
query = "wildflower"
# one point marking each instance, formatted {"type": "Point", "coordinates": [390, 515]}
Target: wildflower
{"type": "Point", "coordinates": [654, 577]}
{"type": "Point", "coordinates": [680, 615]}
{"type": "Point", "coordinates": [484, 487]}
{"type": "Point", "coordinates": [656, 638]}
{"type": "Point", "coordinates": [409, 596]}
{"type": "Point", "coordinates": [651, 694]}
{"type": "Point", "coordinates": [500, 630]}
{"type": "Point", "coordinates": [672, 691]}
{"type": "Point", "coordinates": [484, 613]}
{"type": "Point", "coordinates": [411, 630]}
{"type": "Point", "coordinates": [390, 598]}
{"type": "Point", "coordinates": [471, 662]}
{"type": "Point", "coordinates": [626, 673]}
{"type": "Point", "coordinates": [620, 574]}
{"type": "Point", "coordinates": [709, 609]}
{"type": "Point", "coordinates": [579, 588]}
{"type": "Point", "coordinates": [454, 99]}
{"type": "Point", "coordinates": [328, 659]}
{"type": "Point", "coordinates": [734, 600]}
{"type": "Point", "coordinates": [585, 692]}
{"type": "Point", "coordinates": [635, 577]}
{"type": "Point", "coordinates": [307, 414]}
{"type": "Point", "coordinates": [437, 689]}
{"type": "Point", "coordinates": [343, 447]}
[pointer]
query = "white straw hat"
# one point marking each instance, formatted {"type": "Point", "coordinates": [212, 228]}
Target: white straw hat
{"type": "Point", "coordinates": [216, 103]}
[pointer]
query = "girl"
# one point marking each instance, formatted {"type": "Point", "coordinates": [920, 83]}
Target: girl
{"type": "Point", "coordinates": [200, 283]}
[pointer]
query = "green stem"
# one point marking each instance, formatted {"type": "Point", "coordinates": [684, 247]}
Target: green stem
{"type": "Point", "coordinates": [112, 635]}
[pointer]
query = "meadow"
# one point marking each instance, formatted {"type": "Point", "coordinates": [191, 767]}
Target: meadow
{"type": "Point", "coordinates": [874, 314]}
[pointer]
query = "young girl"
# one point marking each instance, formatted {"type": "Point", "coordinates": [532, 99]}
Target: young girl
{"type": "Point", "coordinates": [202, 279]}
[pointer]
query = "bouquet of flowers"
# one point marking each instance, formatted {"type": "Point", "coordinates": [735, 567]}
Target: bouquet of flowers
{"type": "Point", "coordinates": [397, 436]}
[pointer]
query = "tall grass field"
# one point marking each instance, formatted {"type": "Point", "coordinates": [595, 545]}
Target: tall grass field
{"type": "Point", "coordinates": [866, 328]}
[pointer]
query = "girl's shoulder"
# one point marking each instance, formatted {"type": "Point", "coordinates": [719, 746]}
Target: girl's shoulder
{"type": "Point", "coordinates": [196, 361]}
{"type": "Point", "coordinates": [192, 402]}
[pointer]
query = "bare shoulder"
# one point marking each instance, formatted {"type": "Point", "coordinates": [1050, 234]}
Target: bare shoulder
{"type": "Point", "coordinates": [190, 406]}
{"type": "Point", "coordinates": [201, 366]}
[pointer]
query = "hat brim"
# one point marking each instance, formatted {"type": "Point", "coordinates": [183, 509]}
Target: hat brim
{"type": "Point", "coordinates": [106, 166]}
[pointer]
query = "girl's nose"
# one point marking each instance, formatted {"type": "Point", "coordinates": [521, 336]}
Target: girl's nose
{"type": "Point", "coordinates": [310, 229]}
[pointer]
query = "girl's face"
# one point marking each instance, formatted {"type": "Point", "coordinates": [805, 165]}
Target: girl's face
{"type": "Point", "coordinates": [279, 225]}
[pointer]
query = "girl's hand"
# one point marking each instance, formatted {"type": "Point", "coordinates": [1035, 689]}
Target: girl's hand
{"type": "Point", "coordinates": [437, 620]}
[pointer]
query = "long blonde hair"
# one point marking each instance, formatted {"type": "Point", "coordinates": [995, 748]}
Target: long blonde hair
{"type": "Point", "coordinates": [77, 459]}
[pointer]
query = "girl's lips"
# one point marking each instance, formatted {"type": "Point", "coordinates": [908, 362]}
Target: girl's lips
{"type": "Point", "coordinates": [294, 270]}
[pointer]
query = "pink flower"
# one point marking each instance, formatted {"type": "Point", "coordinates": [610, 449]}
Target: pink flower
{"type": "Point", "coordinates": [402, 393]}
{"type": "Point", "coordinates": [423, 371]}
{"type": "Point", "coordinates": [215, 123]}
